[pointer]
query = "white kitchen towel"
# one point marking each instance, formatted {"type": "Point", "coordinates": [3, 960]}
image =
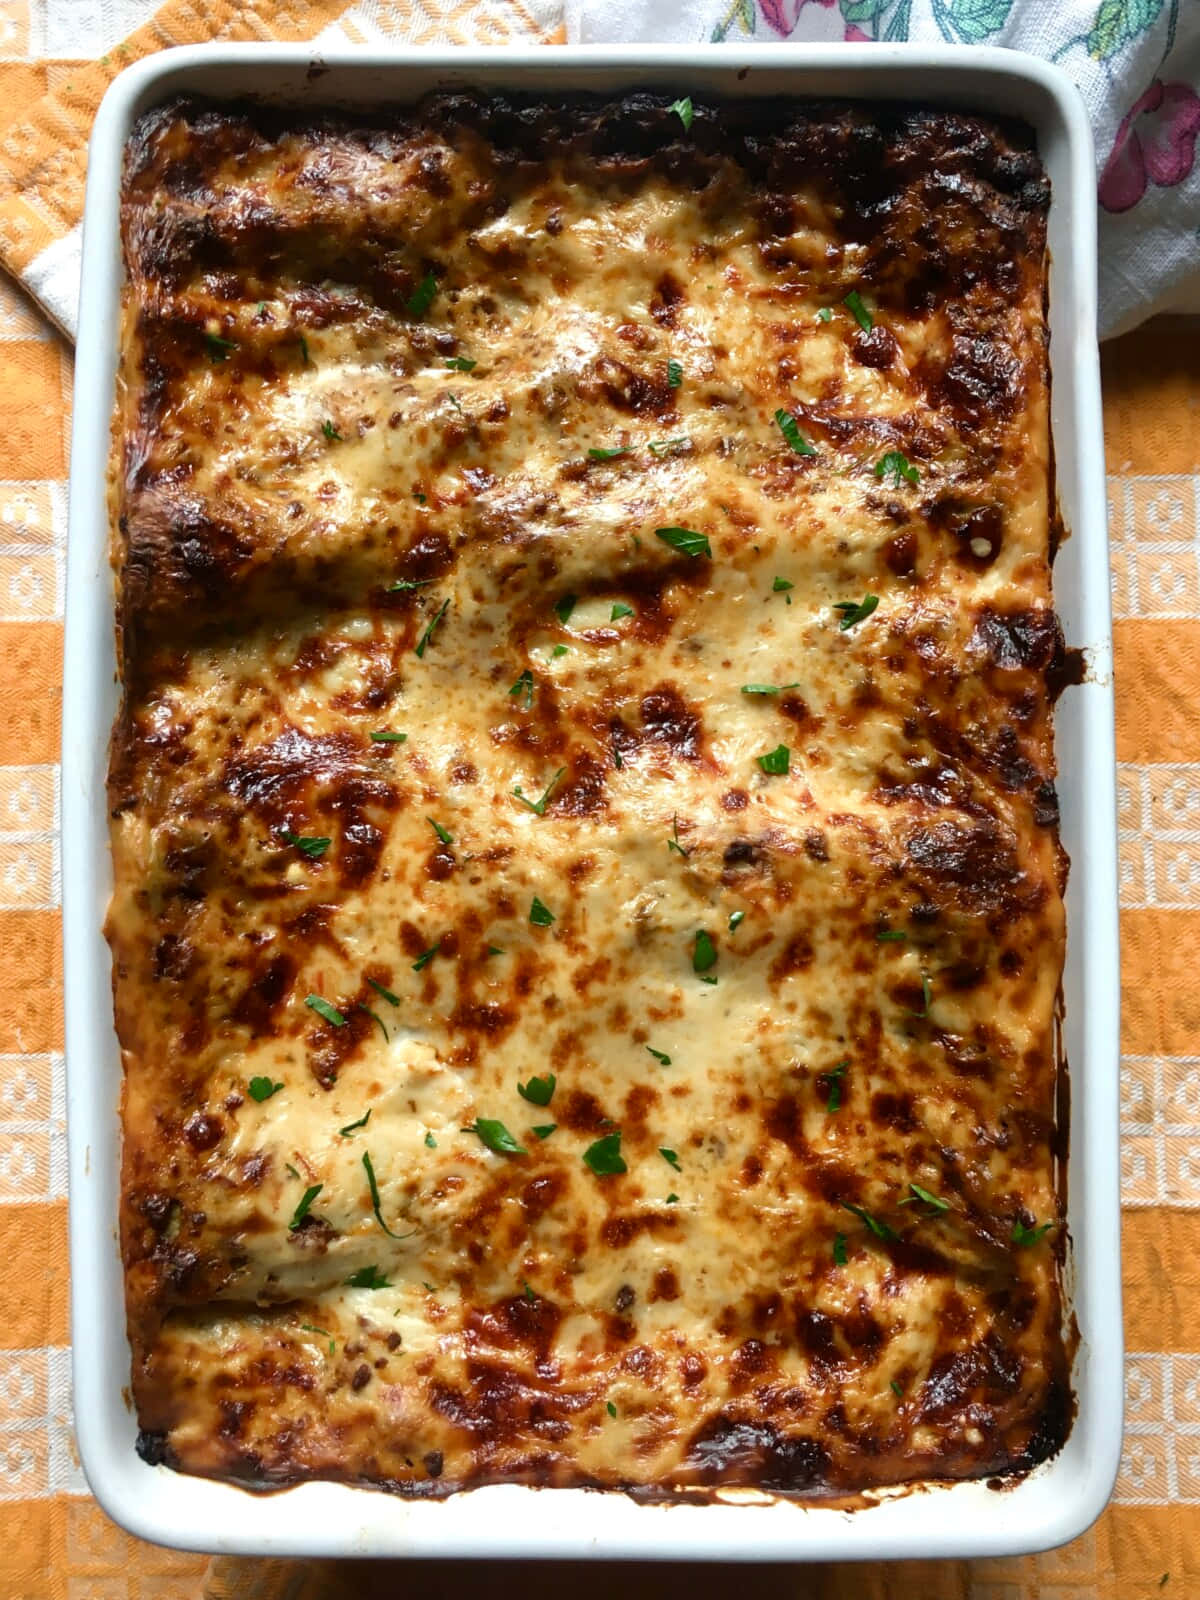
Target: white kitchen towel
{"type": "Point", "coordinates": [1136, 62]}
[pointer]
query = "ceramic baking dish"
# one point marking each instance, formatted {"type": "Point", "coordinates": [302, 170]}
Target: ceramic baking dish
{"type": "Point", "coordinates": [1060, 1498]}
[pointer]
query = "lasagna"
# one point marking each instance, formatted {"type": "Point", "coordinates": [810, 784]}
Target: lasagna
{"type": "Point", "coordinates": [587, 917]}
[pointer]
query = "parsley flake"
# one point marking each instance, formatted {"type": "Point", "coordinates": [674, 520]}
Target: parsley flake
{"type": "Point", "coordinates": [376, 1018]}
{"type": "Point", "coordinates": [302, 1210]}
{"type": "Point", "coordinates": [839, 1249]}
{"type": "Point", "coordinates": [673, 842]}
{"type": "Point", "coordinates": [854, 304]}
{"type": "Point", "coordinates": [1024, 1237]}
{"type": "Point", "coordinates": [324, 1009]}
{"type": "Point", "coordinates": [768, 688]}
{"type": "Point", "coordinates": [524, 685]}
{"type": "Point", "coordinates": [609, 1407]}
{"type": "Point", "coordinates": [426, 956]}
{"type": "Point", "coordinates": [375, 1206]}
{"type": "Point", "coordinates": [311, 1327]}
{"type": "Point", "coordinates": [604, 1156]}
{"type": "Point", "coordinates": [328, 429]}
{"type": "Point", "coordinates": [781, 586]}
{"type": "Point", "coordinates": [600, 454]}
{"type": "Point", "coordinates": [528, 1290]}
{"type": "Point", "coordinates": [897, 1388]}
{"type": "Point", "coordinates": [926, 1198]}
{"type": "Point", "coordinates": [564, 607]}
{"type": "Point", "coordinates": [684, 110]}
{"type": "Point", "coordinates": [218, 348]}
{"type": "Point", "coordinates": [460, 364]}
{"type": "Point", "coordinates": [386, 994]}
{"type": "Point", "coordinates": [382, 736]}
{"type": "Point", "coordinates": [879, 1229]}
{"type": "Point", "coordinates": [420, 300]}
{"type": "Point", "coordinates": [427, 637]}
{"type": "Point", "coordinates": [735, 921]}
{"type": "Point", "coordinates": [671, 1157]}
{"type": "Point", "coordinates": [671, 1200]}
{"type": "Point", "coordinates": [560, 650]}
{"type": "Point", "coordinates": [444, 837]}
{"type": "Point", "coordinates": [660, 1056]}
{"type": "Point", "coordinates": [496, 1136]}
{"type": "Point", "coordinates": [776, 762]}
{"type": "Point", "coordinates": [790, 430]}
{"type": "Point", "coordinates": [538, 807]}
{"type": "Point", "coordinates": [674, 373]}
{"type": "Point", "coordinates": [835, 1076]}
{"type": "Point", "coordinates": [541, 916]}
{"type": "Point", "coordinates": [685, 540]}
{"type": "Point", "coordinates": [313, 848]}
{"type": "Point", "coordinates": [351, 1127]}
{"type": "Point", "coordinates": [856, 611]}
{"type": "Point", "coordinates": [663, 447]}
{"type": "Point", "coordinates": [890, 936]}
{"type": "Point", "coordinates": [538, 1091]}
{"type": "Point", "coordinates": [900, 467]}
{"type": "Point", "coordinates": [704, 953]}
{"type": "Point", "coordinates": [619, 610]}
{"type": "Point", "coordinates": [825, 314]}
{"type": "Point", "coordinates": [263, 1088]}
{"type": "Point", "coordinates": [368, 1278]}
{"type": "Point", "coordinates": [544, 1130]}
{"type": "Point", "coordinates": [409, 583]}
{"type": "Point", "coordinates": [926, 998]}
{"type": "Point", "coordinates": [430, 1141]}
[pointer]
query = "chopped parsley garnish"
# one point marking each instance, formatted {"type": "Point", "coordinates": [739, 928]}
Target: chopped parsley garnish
{"type": "Point", "coordinates": [825, 314]}
{"type": "Point", "coordinates": [671, 1200]}
{"type": "Point", "coordinates": [781, 586]}
{"type": "Point", "coordinates": [386, 994]}
{"type": "Point", "coordinates": [609, 1407]}
{"type": "Point", "coordinates": [790, 430]}
{"type": "Point", "coordinates": [619, 610]}
{"type": "Point", "coordinates": [604, 1157]}
{"type": "Point", "coordinates": [879, 1229]}
{"type": "Point", "coordinates": [382, 736]}
{"type": "Point", "coordinates": [560, 650]}
{"type": "Point", "coordinates": [768, 688]}
{"type": "Point", "coordinates": [618, 762]}
{"type": "Point", "coordinates": [427, 637]}
{"type": "Point", "coordinates": [430, 1141]}
{"type": "Point", "coordinates": [524, 685]}
{"type": "Point", "coordinates": [460, 364]}
{"type": "Point", "coordinates": [494, 950]}
{"type": "Point", "coordinates": [926, 1198]}
{"type": "Point", "coordinates": [218, 348]}
{"type": "Point", "coordinates": [314, 848]}
{"type": "Point", "coordinates": [1023, 1236]}
{"type": "Point", "coordinates": [544, 1130]}
{"type": "Point", "coordinates": [687, 542]}
{"type": "Point", "coordinates": [684, 110]}
{"type": "Point", "coordinates": [426, 956]}
{"type": "Point", "coordinates": [663, 447]}
{"type": "Point", "coordinates": [898, 464]}
{"type": "Point", "coordinates": [368, 1278]}
{"type": "Point", "coordinates": [376, 1018]}
{"type": "Point", "coordinates": [352, 1127]}
{"type": "Point", "coordinates": [926, 997]}
{"type": "Point", "coordinates": [856, 611]}
{"type": "Point", "coordinates": [735, 921]}
{"type": "Point", "coordinates": [445, 838]}
{"type": "Point", "coordinates": [302, 1210]}
{"type": "Point", "coordinates": [541, 916]}
{"type": "Point", "coordinates": [564, 607]}
{"type": "Point", "coordinates": [600, 454]}
{"type": "Point", "coordinates": [660, 1056]}
{"type": "Point", "coordinates": [673, 842]}
{"type": "Point", "coordinates": [324, 1009]}
{"type": "Point", "coordinates": [674, 374]}
{"type": "Point", "coordinates": [704, 953]}
{"type": "Point", "coordinates": [263, 1088]}
{"type": "Point", "coordinates": [311, 1327]}
{"type": "Point", "coordinates": [839, 1249]}
{"type": "Point", "coordinates": [896, 1387]}
{"type": "Point", "coordinates": [835, 1076]}
{"type": "Point", "coordinates": [375, 1206]}
{"type": "Point", "coordinates": [528, 1290]}
{"type": "Point", "coordinates": [304, 350]}
{"type": "Point", "coordinates": [496, 1136]}
{"type": "Point", "coordinates": [291, 1171]}
{"type": "Point", "coordinates": [854, 304]}
{"type": "Point", "coordinates": [420, 300]}
{"type": "Point", "coordinates": [538, 807]}
{"type": "Point", "coordinates": [409, 583]}
{"type": "Point", "coordinates": [671, 1157]}
{"type": "Point", "coordinates": [890, 936]}
{"type": "Point", "coordinates": [538, 1091]}
{"type": "Point", "coordinates": [328, 429]}
{"type": "Point", "coordinates": [776, 762]}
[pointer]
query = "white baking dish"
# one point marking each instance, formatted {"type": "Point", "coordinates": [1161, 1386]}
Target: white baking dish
{"type": "Point", "coordinates": [1059, 1499]}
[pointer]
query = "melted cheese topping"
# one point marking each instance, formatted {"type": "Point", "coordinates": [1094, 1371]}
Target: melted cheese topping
{"type": "Point", "coordinates": [426, 719]}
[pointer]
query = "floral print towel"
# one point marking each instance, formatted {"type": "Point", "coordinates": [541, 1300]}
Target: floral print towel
{"type": "Point", "coordinates": [1136, 62]}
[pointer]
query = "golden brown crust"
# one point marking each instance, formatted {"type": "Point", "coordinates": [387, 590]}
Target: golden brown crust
{"type": "Point", "coordinates": [342, 513]}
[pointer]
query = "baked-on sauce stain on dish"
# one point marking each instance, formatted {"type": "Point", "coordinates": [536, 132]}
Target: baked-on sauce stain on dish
{"type": "Point", "coordinates": [588, 912]}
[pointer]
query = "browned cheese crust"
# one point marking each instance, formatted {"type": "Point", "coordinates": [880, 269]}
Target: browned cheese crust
{"type": "Point", "coordinates": [399, 431]}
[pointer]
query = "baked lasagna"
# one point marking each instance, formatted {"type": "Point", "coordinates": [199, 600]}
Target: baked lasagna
{"type": "Point", "coordinates": [587, 917]}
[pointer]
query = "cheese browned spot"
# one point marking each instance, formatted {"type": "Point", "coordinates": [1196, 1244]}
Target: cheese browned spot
{"type": "Point", "coordinates": [425, 717]}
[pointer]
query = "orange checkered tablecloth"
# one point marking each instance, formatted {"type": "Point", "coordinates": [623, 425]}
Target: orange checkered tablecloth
{"type": "Point", "coordinates": [55, 1544]}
